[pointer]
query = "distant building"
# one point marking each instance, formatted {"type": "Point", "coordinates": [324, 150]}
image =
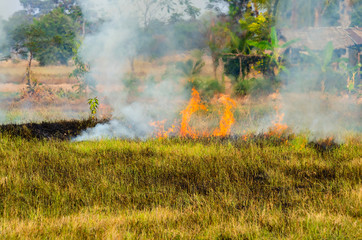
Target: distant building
{"type": "Point", "coordinates": [347, 42]}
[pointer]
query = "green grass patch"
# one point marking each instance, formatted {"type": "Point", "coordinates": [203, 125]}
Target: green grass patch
{"type": "Point", "coordinates": [179, 189]}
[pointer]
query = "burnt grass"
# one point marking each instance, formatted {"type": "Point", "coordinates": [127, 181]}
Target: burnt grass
{"type": "Point", "coordinates": [66, 130]}
{"type": "Point", "coordinates": [60, 130]}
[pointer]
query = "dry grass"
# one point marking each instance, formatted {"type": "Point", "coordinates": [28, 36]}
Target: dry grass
{"type": "Point", "coordinates": [15, 73]}
{"type": "Point", "coordinates": [178, 189]}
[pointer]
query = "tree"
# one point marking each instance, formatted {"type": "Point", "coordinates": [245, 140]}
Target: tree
{"type": "Point", "coordinates": [249, 21]}
{"type": "Point", "coordinates": [322, 61]}
{"type": "Point", "coordinates": [26, 40]}
{"type": "Point", "coordinates": [49, 39]}
{"type": "Point", "coordinates": [58, 33]}
{"type": "Point", "coordinates": [192, 67]}
{"type": "Point", "coordinates": [237, 8]}
{"type": "Point", "coordinates": [164, 10]}
{"type": "Point", "coordinates": [37, 8]}
{"type": "Point", "coordinates": [273, 45]}
{"type": "Point", "coordinates": [314, 13]}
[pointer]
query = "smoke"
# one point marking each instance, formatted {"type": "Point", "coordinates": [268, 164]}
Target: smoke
{"type": "Point", "coordinates": [110, 51]}
{"type": "Point", "coordinates": [112, 48]}
{"type": "Point", "coordinates": [306, 107]}
{"type": "Point", "coordinates": [3, 39]}
{"type": "Point", "coordinates": [2, 36]}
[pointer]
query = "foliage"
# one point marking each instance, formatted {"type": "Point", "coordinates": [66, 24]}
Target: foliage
{"type": "Point", "coordinates": [93, 106]}
{"type": "Point", "coordinates": [191, 68]}
{"type": "Point", "coordinates": [80, 71]}
{"type": "Point", "coordinates": [238, 8]}
{"type": "Point", "coordinates": [206, 86]}
{"type": "Point", "coordinates": [259, 26]}
{"type": "Point", "coordinates": [254, 87]}
{"type": "Point", "coordinates": [314, 13]}
{"type": "Point", "coordinates": [250, 26]}
{"type": "Point", "coordinates": [152, 10]}
{"type": "Point", "coordinates": [57, 39]}
{"type": "Point", "coordinates": [39, 8]}
{"type": "Point", "coordinates": [49, 39]}
{"type": "Point", "coordinates": [322, 61]}
{"type": "Point", "coordinates": [350, 74]}
{"type": "Point", "coordinates": [274, 62]}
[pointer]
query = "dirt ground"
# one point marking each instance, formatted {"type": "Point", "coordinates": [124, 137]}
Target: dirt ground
{"type": "Point", "coordinates": [52, 101]}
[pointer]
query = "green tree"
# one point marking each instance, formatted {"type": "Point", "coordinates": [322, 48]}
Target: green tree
{"type": "Point", "coordinates": [323, 62]}
{"type": "Point", "coordinates": [57, 39]}
{"type": "Point", "coordinates": [311, 13]}
{"type": "Point", "coordinates": [167, 9]}
{"type": "Point", "coordinates": [192, 67]}
{"type": "Point", "coordinates": [237, 8]}
{"type": "Point", "coordinates": [275, 56]}
{"type": "Point", "coordinates": [26, 40]}
{"type": "Point", "coordinates": [37, 8]}
{"type": "Point", "coordinates": [248, 23]}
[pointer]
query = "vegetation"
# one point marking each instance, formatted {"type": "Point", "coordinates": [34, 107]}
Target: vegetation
{"type": "Point", "coordinates": [177, 188]}
{"type": "Point", "coordinates": [199, 175]}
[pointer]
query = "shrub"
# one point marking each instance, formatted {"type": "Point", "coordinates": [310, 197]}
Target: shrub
{"type": "Point", "coordinates": [206, 86]}
{"type": "Point", "coordinates": [255, 86]}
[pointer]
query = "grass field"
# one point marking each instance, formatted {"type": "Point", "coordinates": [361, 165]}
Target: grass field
{"type": "Point", "coordinates": [179, 189]}
{"type": "Point", "coordinates": [211, 188]}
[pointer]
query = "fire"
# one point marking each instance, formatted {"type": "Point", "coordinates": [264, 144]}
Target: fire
{"type": "Point", "coordinates": [227, 120]}
{"type": "Point", "coordinates": [278, 128]}
{"type": "Point", "coordinates": [193, 106]}
{"type": "Point", "coordinates": [160, 132]}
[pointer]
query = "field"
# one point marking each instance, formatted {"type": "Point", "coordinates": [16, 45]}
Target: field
{"type": "Point", "coordinates": [253, 186]}
{"type": "Point", "coordinates": [180, 189]}
{"type": "Point", "coordinates": [56, 96]}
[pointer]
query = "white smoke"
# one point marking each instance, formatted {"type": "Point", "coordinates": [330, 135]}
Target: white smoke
{"type": "Point", "coordinates": [4, 13]}
{"type": "Point", "coordinates": [305, 107]}
{"type": "Point", "coordinates": [109, 52]}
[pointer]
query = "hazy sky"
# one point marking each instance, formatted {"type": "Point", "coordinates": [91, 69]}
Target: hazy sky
{"type": "Point", "coordinates": [8, 7]}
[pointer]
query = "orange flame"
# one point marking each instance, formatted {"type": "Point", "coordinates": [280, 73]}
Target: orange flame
{"type": "Point", "coordinates": [193, 106]}
{"type": "Point", "coordinates": [278, 128]}
{"type": "Point", "coordinates": [160, 132]}
{"type": "Point", "coordinates": [227, 120]}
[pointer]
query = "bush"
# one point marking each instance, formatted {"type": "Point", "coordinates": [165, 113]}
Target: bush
{"type": "Point", "coordinates": [206, 86]}
{"type": "Point", "coordinates": [255, 86]}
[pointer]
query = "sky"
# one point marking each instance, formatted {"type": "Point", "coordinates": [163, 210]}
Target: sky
{"type": "Point", "coordinates": [8, 7]}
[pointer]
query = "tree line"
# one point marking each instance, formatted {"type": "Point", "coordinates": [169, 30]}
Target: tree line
{"type": "Point", "coordinates": [238, 34]}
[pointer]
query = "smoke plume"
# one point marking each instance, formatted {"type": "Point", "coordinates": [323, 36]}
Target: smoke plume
{"type": "Point", "coordinates": [110, 51]}
{"type": "Point", "coordinates": [305, 107]}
